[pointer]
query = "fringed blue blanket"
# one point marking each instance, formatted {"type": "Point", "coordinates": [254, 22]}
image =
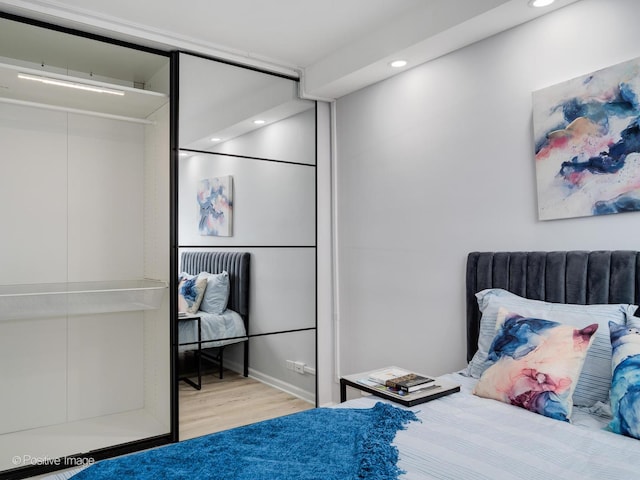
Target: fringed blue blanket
{"type": "Point", "coordinates": [319, 444]}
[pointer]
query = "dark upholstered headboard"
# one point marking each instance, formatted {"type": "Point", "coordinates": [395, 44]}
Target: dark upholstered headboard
{"type": "Point", "coordinates": [578, 277]}
{"type": "Point", "coordinates": [236, 264]}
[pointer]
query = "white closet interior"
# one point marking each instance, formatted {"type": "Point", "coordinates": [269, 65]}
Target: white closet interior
{"type": "Point", "coordinates": [84, 268]}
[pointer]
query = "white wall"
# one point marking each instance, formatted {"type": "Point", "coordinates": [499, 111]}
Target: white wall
{"type": "Point", "coordinates": [326, 331]}
{"type": "Point", "coordinates": [267, 142]}
{"type": "Point", "coordinates": [437, 162]}
{"type": "Point", "coordinates": [271, 201]}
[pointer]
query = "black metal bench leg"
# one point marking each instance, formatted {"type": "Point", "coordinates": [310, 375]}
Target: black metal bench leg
{"type": "Point", "coordinates": [221, 361]}
{"type": "Point", "coordinates": [246, 358]}
{"type": "Point", "coordinates": [199, 368]}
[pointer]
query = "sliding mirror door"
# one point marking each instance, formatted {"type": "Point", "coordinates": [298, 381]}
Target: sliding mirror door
{"type": "Point", "coordinates": [246, 138]}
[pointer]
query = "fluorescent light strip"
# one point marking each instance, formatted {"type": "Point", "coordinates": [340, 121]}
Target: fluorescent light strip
{"type": "Point", "coordinates": [66, 83]}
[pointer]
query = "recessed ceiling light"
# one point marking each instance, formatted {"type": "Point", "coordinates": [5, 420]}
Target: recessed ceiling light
{"type": "Point", "coordinates": [540, 3]}
{"type": "Point", "coordinates": [398, 63]}
{"type": "Point", "coordinates": [258, 122]}
{"type": "Point", "coordinates": [215, 139]}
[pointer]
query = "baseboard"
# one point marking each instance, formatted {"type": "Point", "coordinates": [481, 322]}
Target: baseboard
{"type": "Point", "coordinates": [272, 382]}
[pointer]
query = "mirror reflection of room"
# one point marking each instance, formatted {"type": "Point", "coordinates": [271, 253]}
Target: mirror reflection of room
{"type": "Point", "coordinates": [246, 228]}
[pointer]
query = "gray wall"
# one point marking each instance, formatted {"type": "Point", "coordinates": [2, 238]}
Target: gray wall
{"type": "Point", "coordinates": [437, 162]}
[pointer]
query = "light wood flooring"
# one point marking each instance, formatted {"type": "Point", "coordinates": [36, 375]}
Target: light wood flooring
{"type": "Point", "coordinates": [231, 402]}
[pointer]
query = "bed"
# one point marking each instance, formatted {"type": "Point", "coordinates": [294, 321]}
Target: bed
{"type": "Point", "coordinates": [223, 308]}
{"type": "Point", "coordinates": [463, 435]}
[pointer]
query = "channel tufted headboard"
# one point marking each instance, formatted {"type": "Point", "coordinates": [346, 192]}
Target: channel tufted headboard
{"type": "Point", "coordinates": [579, 277]}
{"type": "Point", "coordinates": [236, 264]}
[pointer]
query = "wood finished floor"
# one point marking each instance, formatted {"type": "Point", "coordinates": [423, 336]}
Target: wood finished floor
{"type": "Point", "coordinates": [231, 402]}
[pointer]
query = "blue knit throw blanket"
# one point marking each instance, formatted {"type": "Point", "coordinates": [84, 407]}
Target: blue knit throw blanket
{"type": "Point", "coordinates": [319, 444]}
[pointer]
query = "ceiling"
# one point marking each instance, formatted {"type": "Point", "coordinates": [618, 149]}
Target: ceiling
{"type": "Point", "coordinates": [334, 46]}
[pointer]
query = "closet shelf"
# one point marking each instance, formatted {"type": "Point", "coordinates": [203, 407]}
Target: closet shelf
{"type": "Point", "coordinates": [79, 298]}
{"type": "Point", "coordinates": [134, 103]}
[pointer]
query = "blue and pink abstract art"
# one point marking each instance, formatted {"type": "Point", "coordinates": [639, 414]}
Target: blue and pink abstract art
{"type": "Point", "coordinates": [587, 135]}
{"type": "Point", "coordinates": [215, 198]}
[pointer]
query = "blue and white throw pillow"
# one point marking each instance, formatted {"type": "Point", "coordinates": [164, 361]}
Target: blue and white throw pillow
{"type": "Point", "coordinates": [595, 379]}
{"type": "Point", "coordinates": [625, 384]}
{"type": "Point", "coordinates": [191, 289]}
{"type": "Point", "coordinates": [537, 363]}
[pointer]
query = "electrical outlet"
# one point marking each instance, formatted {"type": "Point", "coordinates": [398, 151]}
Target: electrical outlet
{"type": "Point", "coordinates": [290, 365]}
{"type": "Point", "coordinates": [299, 367]}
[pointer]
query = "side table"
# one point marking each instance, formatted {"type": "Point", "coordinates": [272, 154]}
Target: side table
{"type": "Point", "coordinates": [360, 381]}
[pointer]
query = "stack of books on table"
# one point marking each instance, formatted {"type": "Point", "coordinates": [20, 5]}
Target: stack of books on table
{"type": "Point", "coordinates": [401, 382]}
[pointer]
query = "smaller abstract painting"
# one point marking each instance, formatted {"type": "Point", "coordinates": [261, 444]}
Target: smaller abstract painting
{"type": "Point", "coordinates": [587, 136]}
{"type": "Point", "coordinates": [215, 198]}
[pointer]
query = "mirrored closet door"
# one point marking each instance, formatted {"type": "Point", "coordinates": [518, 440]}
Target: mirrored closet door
{"type": "Point", "coordinates": [247, 183]}
{"type": "Point", "coordinates": [85, 342]}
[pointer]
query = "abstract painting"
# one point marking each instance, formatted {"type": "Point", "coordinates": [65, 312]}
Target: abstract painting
{"type": "Point", "coordinates": [215, 198]}
{"type": "Point", "coordinates": [587, 144]}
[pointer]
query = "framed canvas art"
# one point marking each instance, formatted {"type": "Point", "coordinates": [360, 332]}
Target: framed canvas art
{"type": "Point", "coordinates": [215, 198]}
{"type": "Point", "coordinates": [587, 144]}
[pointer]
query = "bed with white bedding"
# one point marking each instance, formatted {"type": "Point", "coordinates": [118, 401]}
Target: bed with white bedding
{"type": "Point", "coordinates": [218, 330]}
{"type": "Point", "coordinates": [218, 293]}
{"type": "Point", "coordinates": [463, 436]}
{"type": "Point", "coordinates": [468, 436]}
{"type": "Point", "coordinates": [514, 432]}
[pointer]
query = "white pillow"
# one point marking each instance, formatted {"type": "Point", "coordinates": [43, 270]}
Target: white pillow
{"type": "Point", "coordinates": [216, 294]}
{"type": "Point", "coordinates": [595, 379]}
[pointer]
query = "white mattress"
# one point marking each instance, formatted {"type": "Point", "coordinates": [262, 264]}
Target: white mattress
{"type": "Point", "coordinates": [462, 436]}
{"type": "Point", "coordinates": [228, 325]}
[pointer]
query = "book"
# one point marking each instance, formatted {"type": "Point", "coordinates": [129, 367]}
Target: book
{"type": "Point", "coordinates": [402, 393]}
{"type": "Point", "coordinates": [381, 376]}
{"type": "Point", "coordinates": [436, 389]}
{"type": "Point", "coordinates": [367, 382]}
{"type": "Point", "coordinates": [409, 383]}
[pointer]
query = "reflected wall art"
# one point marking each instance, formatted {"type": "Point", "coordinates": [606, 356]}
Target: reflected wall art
{"type": "Point", "coordinates": [215, 198]}
{"type": "Point", "coordinates": [587, 138]}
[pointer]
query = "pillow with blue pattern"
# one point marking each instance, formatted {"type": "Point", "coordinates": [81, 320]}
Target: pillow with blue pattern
{"type": "Point", "coordinates": [595, 379]}
{"type": "Point", "coordinates": [625, 384]}
{"type": "Point", "coordinates": [191, 289]}
{"type": "Point", "coordinates": [536, 364]}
